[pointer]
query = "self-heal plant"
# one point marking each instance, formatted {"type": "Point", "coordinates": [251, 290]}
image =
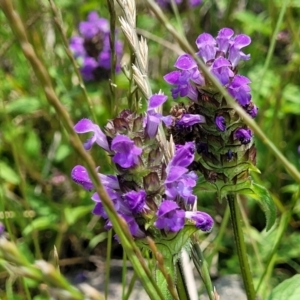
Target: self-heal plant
{"type": "Point", "coordinates": [226, 151]}
{"type": "Point", "coordinates": [224, 143]}
{"type": "Point", "coordinates": [154, 196]}
{"type": "Point", "coordinates": [92, 48]}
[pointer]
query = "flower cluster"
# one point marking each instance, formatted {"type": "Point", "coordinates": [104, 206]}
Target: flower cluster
{"type": "Point", "coordinates": [92, 47]}
{"type": "Point", "coordinates": [149, 192]}
{"type": "Point", "coordinates": [224, 140]}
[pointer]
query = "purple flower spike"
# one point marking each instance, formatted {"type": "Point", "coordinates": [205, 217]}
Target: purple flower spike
{"type": "Point", "coordinates": [189, 120]}
{"type": "Point", "coordinates": [127, 152]}
{"type": "Point", "coordinates": [136, 200]}
{"type": "Point", "coordinates": [243, 135]}
{"type": "Point", "coordinates": [169, 216]}
{"type": "Point", "coordinates": [235, 53]}
{"type": "Point", "coordinates": [220, 122]}
{"type": "Point", "coordinates": [223, 39]}
{"type": "Point", "coordinates": [80, 176]}
{"type": "Point", "coordinates": [86, 125]}
{"type": "Point", "coordinates": [203, 221]}
{"type": "Point", "coordinates": [239, 89]}
{"type": "Point", "coordinates": [207, 46]}
{"type": "Point", "coordinates": [221, 69]}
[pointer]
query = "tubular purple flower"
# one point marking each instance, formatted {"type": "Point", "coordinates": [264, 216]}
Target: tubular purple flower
{"type": "Point", "coordinates": [86, 125]}
{"type": "Point", "coordinates": [221, 69]}
{"type": "Point", "coordinates": [169, 216]}
{"type": "Point", "coordinates": [185, 62]}
{"type": "Point", "coordinates": [184, 155]}
{"type": "Point", "coordinates": [243, 135]}
{"type": "Point", "coordinates": [99, 208]}
{"type": "Point", "coordinates": [235, 53]}
{"type": "Point", "coordinates": [135, 200]}
{"type": "Point", "coordinates": [220, 123]}
{"type": "Point", "coordinates": [88, 68]}
{"type": "Point", "coordinates": [203, 221]}
{"type": "Point", "coordinates": [80, 176]}
{"type": "Point", "coordinates": [133, 226]}
{"type": "Point", "coordinates": [251, 109]}
{"type": "Point", "coordinates": [153, 118]}
{"type": "Point", "coordinates": [239, 89]}
{"type": "Point", "coordinates": [76, 45]}
{"type": "Point", "coordinates": [93, 25]}
{"type": "Point", "coordinates": [127, 152]}
{"type": "Point", "coordinates": [207, 46]}
{"type": "Point", "coordinates": [223, 39]}
{"type": "Point", "coordinates": [189, 120]}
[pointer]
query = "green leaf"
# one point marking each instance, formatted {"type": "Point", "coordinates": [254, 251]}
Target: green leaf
{"type": "Point", "coordinates": [8, 174]}
{"type": "Point", "coordinates": [41, 223]}
{"type": "Point", "coordinates": [97, 239]}
{"type": "Point", "coordinates": [72, 214]}
{"type": "Point", "coordinates": [24, 105]}
{"type": "Point", "coordinates": [262, 195]}
{"type": "Point", "coordinates": [287, 290]}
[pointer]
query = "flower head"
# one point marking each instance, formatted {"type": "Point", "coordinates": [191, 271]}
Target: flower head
{"type": "Point", "coordinates": [92, 47]}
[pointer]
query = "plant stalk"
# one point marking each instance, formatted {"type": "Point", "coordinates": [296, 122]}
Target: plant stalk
{"type": "Point", "coordinates": [240, 245]}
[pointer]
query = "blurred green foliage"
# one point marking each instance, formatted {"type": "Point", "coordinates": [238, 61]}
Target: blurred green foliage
{"type": "Point", "coordinates": [39, 204]}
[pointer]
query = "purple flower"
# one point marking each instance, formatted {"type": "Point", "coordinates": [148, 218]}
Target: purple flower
{"type": "Point", "coordinates": [202, 220]}
{"type": "Point", "coordinates": [135, 200]}
{"type": "Point", "coordinates": [182, 85]}
{"type": "Point", "coordinates": [194, 3]}
{"type": "Point", "coordinates": [133, 226]}
{"type": "Point", "coordinates": [239, 89]}
{"type": "Point", "coordinates": [221, 69]}
{"type": "Point", "coordinates": [180, 182]}
{"type": "Point", "coordinates": [169, 216]}
{"type": "Point", "coordinates": [86, 125]}
{"type": "Point", "coordinates": [127, 153]}
{"type": "Point", "coordinates": [251, 109]}
{"type": "Point", "coordinates": [207, 46]}
{"type": "Point", "coordinates": [76, 45]}
{"type": "Point", "coordinates": [88, 68]}
{"type": "Point", "coordinates": [223, 39]}
{"type": "Point", "coordinates": [184, 155]}
{"type": "Point", "coordinates": [80, 176]}
{"type": "Point", "coordinates": [189, 120]}
{"type": "Point", "coordinates": [243, 135]}
{"type": "Point", "coordinates": [220, 123]}
{"type": "Point", "coordinates": [93, 26]}
{"type": "Point", "coordinates": [235, 53]}
{"type": "Point", "coordinates": [153, 118]}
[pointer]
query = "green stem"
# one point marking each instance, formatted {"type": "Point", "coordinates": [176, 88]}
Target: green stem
{"type": "Point", "coordinates": [181, 286]}
{"type": "Point", "coordinates": [240, 246]}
